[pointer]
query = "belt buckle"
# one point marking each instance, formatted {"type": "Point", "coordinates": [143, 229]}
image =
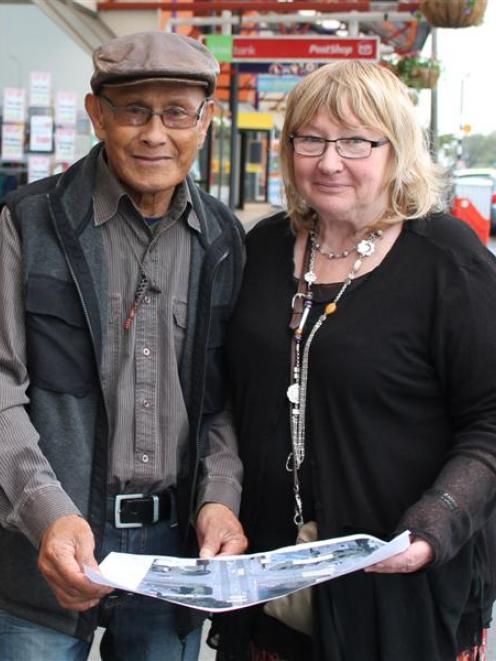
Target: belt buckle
{"type": "Point", "coordinates": [133, 496]}
{"type": "Point", "coordinates": [156, 508]}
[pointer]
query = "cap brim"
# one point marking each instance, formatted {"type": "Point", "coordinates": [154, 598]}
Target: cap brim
{"type": "Point", "coordinates": [162, 79]}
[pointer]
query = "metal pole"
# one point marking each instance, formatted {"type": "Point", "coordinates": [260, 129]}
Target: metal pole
{"type": "Point", "coordinates": [208, 159]}
{"type": "Point", "coordinates": [459, 142]}
{"type": "Point", "coordinates": [220, 139]}
{"type": "Point", "coordinates": [434, 123]}
{"type": "Point", "coordinates": [233, 105]}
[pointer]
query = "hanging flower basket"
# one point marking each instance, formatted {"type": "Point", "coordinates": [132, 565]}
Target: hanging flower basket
{"type": "Point", "coordinates": [418, 72]}
{"type": "Point", "coordinates": [453, 13]}
{"type": "Point", "coordinates": [390, 64]}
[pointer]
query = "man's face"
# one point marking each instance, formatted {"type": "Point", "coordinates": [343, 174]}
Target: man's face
{"type": "Point", "coordinates": [150, 160]}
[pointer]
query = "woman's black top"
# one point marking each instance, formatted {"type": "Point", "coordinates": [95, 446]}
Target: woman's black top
{"type": "Point", "coordinates": [401, 432]}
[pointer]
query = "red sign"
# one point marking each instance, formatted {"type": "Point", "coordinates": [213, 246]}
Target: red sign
{"type": "Point", "coordinates": [304, 49]}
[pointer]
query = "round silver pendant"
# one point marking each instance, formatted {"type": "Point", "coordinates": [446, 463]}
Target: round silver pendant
{"type": "Point", "coordinates": [365, 248]}
{"type": "Point", "coordinates": [293, 393]}
{"type": "Point", "coordinates": [310, 277]}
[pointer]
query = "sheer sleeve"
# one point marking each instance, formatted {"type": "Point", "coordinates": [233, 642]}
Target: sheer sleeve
{"type": "Point", "coordinates": [459, 503]}
{"type": "Point", "coordinates": [463, 349]}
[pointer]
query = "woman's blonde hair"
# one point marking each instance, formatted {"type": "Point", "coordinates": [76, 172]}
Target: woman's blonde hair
{"type": "Point", "coordinates": [379, 101]}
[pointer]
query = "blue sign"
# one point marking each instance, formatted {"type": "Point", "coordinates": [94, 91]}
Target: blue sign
{"type": "Point", "coordinates": [283, 84]}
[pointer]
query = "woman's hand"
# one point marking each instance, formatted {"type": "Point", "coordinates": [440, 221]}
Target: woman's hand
{"type": "Point", "coordinates": [417, 556]}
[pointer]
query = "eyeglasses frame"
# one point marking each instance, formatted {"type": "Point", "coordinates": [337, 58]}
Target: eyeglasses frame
{"type": "Point", "coordinates": [373, 145]}
{"type": "Point", "coordinates": [151, 113]}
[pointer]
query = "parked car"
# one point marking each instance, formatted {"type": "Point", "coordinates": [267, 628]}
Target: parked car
{"type": "Point", "coordinates": [482, 175]}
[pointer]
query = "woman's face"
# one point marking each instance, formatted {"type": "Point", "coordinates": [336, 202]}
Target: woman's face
{"type": "Point", "coordinates": [341, 189]}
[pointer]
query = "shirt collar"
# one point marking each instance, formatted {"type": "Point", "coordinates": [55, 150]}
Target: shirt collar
{"type": "Point", "coordinates": [108, 192]}
{"type": "Point", "coordinates": [191, 218]}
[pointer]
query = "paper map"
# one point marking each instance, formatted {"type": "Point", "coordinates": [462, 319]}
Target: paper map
{"type": "Point", "coordinates": [228, 582]}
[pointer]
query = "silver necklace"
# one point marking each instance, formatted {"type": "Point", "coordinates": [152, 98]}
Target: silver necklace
{"type": "Point", "coordinates": [297, 391]}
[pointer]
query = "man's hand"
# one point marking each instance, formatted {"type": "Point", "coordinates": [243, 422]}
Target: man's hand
{"type": "Point", "coordinates": [66, 546]}
{"type": "Point", "coordinates": [417, 556]}
{"type": "Point", "coordinates": [219, 532]}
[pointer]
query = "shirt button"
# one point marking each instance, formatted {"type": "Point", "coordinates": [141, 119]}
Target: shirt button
{"type": "Point", "coordinates": [146, 351]}
{"type": "Point", "coordinates": [146, 404]}
{"type": "Point", "coordinates": [145, 458]}
{"type": "Point", "coordinates": [147, 300]}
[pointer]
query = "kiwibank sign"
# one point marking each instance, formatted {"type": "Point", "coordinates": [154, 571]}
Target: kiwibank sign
{"type": "Point", "coordinates": [221, 46]}
{"type": "Point", "coordinates": [227, 48]}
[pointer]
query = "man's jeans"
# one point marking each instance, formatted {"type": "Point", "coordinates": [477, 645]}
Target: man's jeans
{"type": "Point", "coordinates": [137, 628]}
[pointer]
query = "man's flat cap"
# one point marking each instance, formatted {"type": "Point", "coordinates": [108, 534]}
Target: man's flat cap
{"type": "Point", "coordinates": [154, 56]}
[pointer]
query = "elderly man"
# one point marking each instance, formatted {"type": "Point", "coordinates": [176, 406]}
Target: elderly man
{"type": "Point", "coordinates": [117, 281]}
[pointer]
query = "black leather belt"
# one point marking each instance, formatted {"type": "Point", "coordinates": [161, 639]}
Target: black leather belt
{"type": "Point", "coordinates": [134, 510]}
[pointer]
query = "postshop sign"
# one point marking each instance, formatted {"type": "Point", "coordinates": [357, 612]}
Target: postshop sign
{"type": "Point", "coordinates": [304, 49]}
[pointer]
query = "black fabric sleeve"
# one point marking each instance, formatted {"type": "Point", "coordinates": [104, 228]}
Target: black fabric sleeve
{"type": "Point", "coordinates": [463, 497]}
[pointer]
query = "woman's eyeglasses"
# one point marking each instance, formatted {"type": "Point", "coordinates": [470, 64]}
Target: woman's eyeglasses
{"type": "Point", "coordinates": [312, 145]}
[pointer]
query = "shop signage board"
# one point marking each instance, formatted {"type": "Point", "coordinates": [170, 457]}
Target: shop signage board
{"type": "Point", "coordinates": [14, 104]}
{"type": "Point", "coordinates": [12, 142]}
{"type": "Point", "coordinates": [66, 109]}
{"type": "Point", "coordinates": [39, 167]}
{"type": "Point", "coordinates": [292, 48]}
{"type": "Point", "coordinates": [220, 45]}
{"type": "Point", "coordinates": [304, 49]}
{"type": "Point", "coordinates": [41, 129]}
{"type": "Point", "coordinates": [256, 121]}
{"type": "Point", "coordinates": [40, 89]}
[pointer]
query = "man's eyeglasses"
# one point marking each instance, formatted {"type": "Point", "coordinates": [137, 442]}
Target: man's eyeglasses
{"type": "Point", "coordinates": [312, 145]}
{"type": "Point", "coordinates": [174, 117]}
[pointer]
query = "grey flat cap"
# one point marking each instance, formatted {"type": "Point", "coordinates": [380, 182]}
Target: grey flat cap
{"type": "Point", "coordinates": [154, 56]}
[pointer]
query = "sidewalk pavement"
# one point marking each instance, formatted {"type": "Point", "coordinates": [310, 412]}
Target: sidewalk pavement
{"type": "Point", "coordinates": [253, 212]}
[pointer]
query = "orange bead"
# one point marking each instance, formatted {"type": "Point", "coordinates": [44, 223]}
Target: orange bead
{"type": "Point", "coordinates": [330, 308]}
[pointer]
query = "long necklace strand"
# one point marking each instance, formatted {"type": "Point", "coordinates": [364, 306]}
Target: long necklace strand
{"type": "Point", "coordinates": [297, 391]}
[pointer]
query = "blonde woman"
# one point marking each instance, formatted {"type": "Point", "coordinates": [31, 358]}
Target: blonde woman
{"type": "Point", "coordinates": [363, 371]}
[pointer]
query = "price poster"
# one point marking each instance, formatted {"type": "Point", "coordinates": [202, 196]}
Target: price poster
{"type": "Point", "coordinates": [41, 133]}
{"type": "Point", "coordinates": [12, 142]}
{"type": "Point", "coordinates": [65, 145]}
{"type": "Point", "coordinates": [65, 109]}
{"type": "Point", "coordinates": [38, 167]}
{"type": "Point", "coordinates": [14, 105]}
{"type": "Point", "coordinates": [40, 90]}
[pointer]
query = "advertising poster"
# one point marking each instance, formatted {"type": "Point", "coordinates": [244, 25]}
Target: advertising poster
{"type": "Point", "coordinates": [38, 167]}
{"type": "Point", "coordinates": [12, 142]}
{"type": "Point", "coordinates": [41, 133]}
{"type": "Point", "coordinates": [40, 89]}
{"type": "Point", "coordinates": [14, 105]}
{"type": "Point", "coordinates": [65, 145]}
{"type": "Point", "coordinates": [65, 109]}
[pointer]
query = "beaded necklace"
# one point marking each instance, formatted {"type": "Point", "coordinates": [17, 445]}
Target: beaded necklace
{"type": "Point", "coordinates": [297, 391]}
{"type": "Point", "coordinates": [330, 254]}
